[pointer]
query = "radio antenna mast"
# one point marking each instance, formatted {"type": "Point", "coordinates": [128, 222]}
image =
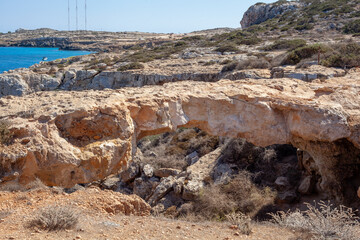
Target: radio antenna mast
{"type": "Point", "coordinates": [68, 15]}
{"type": "Point", "coordinates": [85, 16]}
{"type": "Point", "coordinates": [77, 25]}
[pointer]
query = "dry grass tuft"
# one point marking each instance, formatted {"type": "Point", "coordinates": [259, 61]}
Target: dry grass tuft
{"type": "Point", "coordinates": [15, 186]}
{"type": "Point", "coordinates": [324, 221]}
{"type": "Point", "coordinates": [240, 195]}
{"type": "Point", "coordinates": [241, 220]}
{"type": "Point", "coordinates": [55, 218]}
{"type": "Point", "coordinates": [4, 214]}
{"type": "Point", "coordinates": [6, 135]}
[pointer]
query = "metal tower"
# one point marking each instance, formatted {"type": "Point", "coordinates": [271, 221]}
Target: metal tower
{"type": "Point", "coordinates": [77, 23]}
{"type": "Point", "coordinates": [85, 16]}
{"type": "Point", "coordinates": [68, 15]}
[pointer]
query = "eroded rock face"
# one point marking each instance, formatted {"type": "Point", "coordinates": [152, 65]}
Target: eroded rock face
{"type": "Point", "coordinates": [261, 12]}
{"type": "Point", "coordinates": [80, 137]}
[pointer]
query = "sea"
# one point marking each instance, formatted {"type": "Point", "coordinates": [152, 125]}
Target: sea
{"type": "Point", "coordinates": [23, 57]}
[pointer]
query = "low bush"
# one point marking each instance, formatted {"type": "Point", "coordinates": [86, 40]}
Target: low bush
{"type": "Point", "coordinates": [324, 221]}
{"type": "Point", "coordinates": [352, 27]}
{"type": "Point", "coordinates": [160, 52]}
{"type": "Point", "coordinates": [344, 55]}
{"type": "Point", "coordinates": [227, 48]}
{"type": "Point", "coordinates": [209, 63]}
{"type": "Point", "coordinates": [131, 66]}
{"type": "Point", "coordinates": [169, 150]}
{"type": "Point", "coordinates": [295, 56]}
{"type": "Point", "coordinates": [14, 186]}
{"type": "Point", "coordinates": [239, 195]}
{"type": "Point", "coordinates": [286, 44]}
{"type": "Point", "coordinates": [55, 218]}
{"type": "Point", "coordinates": [240, 220]}
{"type": "Point", "coordinates": [226, 61]}
{"type": "Point", "coordinates": [260, 63]}
{"type": "Point", "coordinates": [6, 135]}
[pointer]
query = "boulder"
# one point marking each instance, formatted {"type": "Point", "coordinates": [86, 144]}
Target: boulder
{"type": "Point", "coordinates": [130, 173]}
{"type": "Point", "coordinates": [145, 187]}
{"type": "Point", "coordinates": [282, 183]}
{"type": "Point", "coordinates": [165, 186]}
{"type": "Point", "coordinates": [261, 12]}
{"type": "Point", "coordinates": [166, 172]}
{"type": "Point", "coordinates": [307, 185]}
{"type": "Point", "coordinates": [148, 171]}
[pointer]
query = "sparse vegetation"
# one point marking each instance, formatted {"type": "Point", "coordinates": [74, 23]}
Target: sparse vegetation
{"type": "Point", "coordinates": [170, 149]}
{"type": "Point", "coordinates": [239, 195]}
{"type": "Point", "coordinates": [131, 66]}
{"type": "Point", "coordinates": [259, 63]}
{"type": "Point", "coordinates": [345, 55]}
{"type": "Point", "coordinates": [242, 221]}
{"type": "Point", "coordinates": [15, 186]}
{"type": "Point", "coordinates": [295, 56]}
{"type": "Point", "coordinates": [160, 52]}
{"type": "Point", "coordinates": [4, 214]}
{"type": "Point", "coordinates": [290, 44]}
{"type": "Point", "coordinates": [6, 135]}
{"type": "Point", "coordinates": [324, 221]}
{"type": "Point", "coordinates": [55, 218]}
{"type": "Point", "coordinates": [227, 48]}
{"type": "Point", "coordinates": [352, 27]}
{"type": "Point", "coordinates": [209, 63]}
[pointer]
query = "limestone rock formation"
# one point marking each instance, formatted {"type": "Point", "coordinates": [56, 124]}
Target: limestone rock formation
{"type": "Point", "coordinates": [65, 138]}
{"type": "Point", "coordinates": [261, 12]}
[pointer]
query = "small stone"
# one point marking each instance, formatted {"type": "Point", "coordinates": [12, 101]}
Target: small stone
{"type": "Point", "coordinates": [282, 183]}
{"type": "Point", "coordinates": [148, 170]}
{"type": "Point", "coordinates": [97, 137]}
{"type": "Point", "coordinates": [306, 185]}
{"type": "Point", "coordinates": [233, 227]}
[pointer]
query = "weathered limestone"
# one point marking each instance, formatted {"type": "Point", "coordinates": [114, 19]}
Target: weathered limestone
{"type": "Point", "coordinates": [261, 12]}
{"type": "Point", "coordinates": [79, 137]}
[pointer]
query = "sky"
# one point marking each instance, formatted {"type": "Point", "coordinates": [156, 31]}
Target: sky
{"type": "Point", "coordinates": [161, 16]}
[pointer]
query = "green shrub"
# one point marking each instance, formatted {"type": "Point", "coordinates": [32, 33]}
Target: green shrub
{"type": "Point", "coordinates": [160, 52]}
{"type": "Point", "coordinates": [227, 48]}
{"type": "Point", "coordinates": [249, 41]}
{"type": "Point", "coordinates": [260, 63]}
{"type": "Point", "coordinates": [229, 67]}
{"type": "Point", "coordinates": [295, 56]}
{"type": "Point", "coordinates": [6, 135]}
{"type": "Point", "coordinates": [286, 44]}
{"type": "Point", "coordinates": [131, 66]}
{"type": "Point", "coordinates": [226, 61]}
{"type": "Point", "coordinates": [345, 55]}
{"type": "Point", "coordinates": [209, 63]}
{"type": "Point", "coordinates": [352, 27]}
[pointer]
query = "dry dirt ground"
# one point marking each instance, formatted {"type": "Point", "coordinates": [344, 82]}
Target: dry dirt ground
{"type": "Point", "coordinates": [102, 217]}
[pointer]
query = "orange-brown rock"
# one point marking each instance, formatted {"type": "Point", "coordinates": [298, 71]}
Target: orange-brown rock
{"type": "Point", "coordinates": [99, 201]}
{"type": "Point", "coordinates": [79, 137]}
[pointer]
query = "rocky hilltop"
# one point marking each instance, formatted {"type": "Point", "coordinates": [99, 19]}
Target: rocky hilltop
{"type": "Point", "coordinates": [304, 15]}
{"type": "Point", "coordinates": [262, 12]}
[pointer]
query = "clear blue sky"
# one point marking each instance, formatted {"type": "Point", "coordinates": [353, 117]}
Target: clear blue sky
{"type": "Point", "coordinates": [120, 15]}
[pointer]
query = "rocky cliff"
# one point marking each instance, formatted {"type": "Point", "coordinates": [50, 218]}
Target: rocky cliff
{"type": "Point", "coordinates": [65, 138]}
{"type": "Point", "coordinates": [262, 12]}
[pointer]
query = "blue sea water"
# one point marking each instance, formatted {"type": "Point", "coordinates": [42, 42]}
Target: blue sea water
{"type": "Point", "coordinates": [19, 57]}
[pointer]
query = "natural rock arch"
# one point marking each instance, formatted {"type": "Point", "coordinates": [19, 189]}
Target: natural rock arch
{"type": "Point", "coordinates": [80, 137]}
